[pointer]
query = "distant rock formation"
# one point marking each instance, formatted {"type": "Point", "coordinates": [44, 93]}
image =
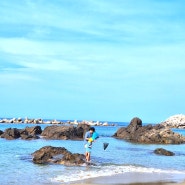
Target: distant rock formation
{"type": "Point", "coordinates": [157, 134]}
{"type": "Point", "coordinates": [176, 121]}
{"type": "Point", "coordinates": [54, 122]}
{"type": "Point", "coordinates": [57, 155]}
{"type": "Point", "coordinates": [65, 132]}
{"type": "Point", "coordinates": [162, 151]}
{"type": "Point", "coordinates": [29, 121]}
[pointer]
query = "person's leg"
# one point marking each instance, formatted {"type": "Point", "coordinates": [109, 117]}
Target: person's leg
{"type": "Point", "coordinates": [88, 157]}
{"type": "Point", "coordinates": [88, 153]}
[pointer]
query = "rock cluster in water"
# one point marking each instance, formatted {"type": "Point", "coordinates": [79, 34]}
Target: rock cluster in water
{"type": "Point", "coordinates": [135, 132]}
{"type": "Point", "coordinates": [176, 121]}
{"type": "Point", "coordinates": [50, 132]}
{"type": "Point", "coordinates": [157, 134]}
{"type": "Point", "coordinates": [57, 155]}
{"type": "Point", "coordinates": [27, 133]}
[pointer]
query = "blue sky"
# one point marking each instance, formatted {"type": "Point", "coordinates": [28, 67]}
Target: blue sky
{"type": "Point", "coordinates": [92, 59]}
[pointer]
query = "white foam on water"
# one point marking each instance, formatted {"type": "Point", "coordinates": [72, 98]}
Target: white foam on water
{"type": "Point", "coordinates": [93, 172]}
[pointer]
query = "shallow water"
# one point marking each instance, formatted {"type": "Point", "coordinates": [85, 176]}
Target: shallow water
{"type": "Point", "coordinates": [120, 157]}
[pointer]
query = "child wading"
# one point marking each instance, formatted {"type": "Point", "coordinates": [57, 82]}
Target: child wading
{"type": "Point", "coordinates": [90, 136]}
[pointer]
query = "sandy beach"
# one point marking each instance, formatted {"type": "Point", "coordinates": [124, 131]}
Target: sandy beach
{"type": "Point", "coordinates": [132, 178]}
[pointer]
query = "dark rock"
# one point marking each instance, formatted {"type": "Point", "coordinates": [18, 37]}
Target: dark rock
{"type": "Point", "coordinates": [1, 132]}
{"type": "Point", "coordinates": [135, 132]}
{"type": "Point", "coordinates": [23, 132]}
{"type": "Point", "coordinates": [41, 157]}
{"type": "Point", "coordinates": [134, 125]}
{"type": "Point", "coordinates": [161, 151]}
{"type": "Point", "coordinates": [30, 132]}
{"type": "Point", "coordinates": [58, 132]}
{"type": "Point", "coordinates": [64, 132]}
{"type": "Point", "coordinates": [58, 155]}
{"type": "Point", "coordinates": [34, 130]}
{"type": "Point", "coordinates": [72, 159]}
{"type": "Point", "coordinates": [11, 133]}
{"type": "Point", "coordinates": [81, 130]}
{"type": "Point", "coordinates": [29, 137]}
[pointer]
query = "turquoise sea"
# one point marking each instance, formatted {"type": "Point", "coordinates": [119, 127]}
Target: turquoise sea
{"type": "Point", "coordinates": [16, 165]}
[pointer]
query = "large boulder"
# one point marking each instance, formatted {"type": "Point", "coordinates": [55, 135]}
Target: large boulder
{"type": "Point", "coordinates": [11, 133]}
{"type": "Point", "coordinates": [176, 121]}
{"type": "Point", "coordinates": [64, 132]}
{"type": "Point", "coordinates": [57, 155]}
{"type": "Point", "coordinates": [157, 134]}
{"type": "Point", "coordinates": [162, 151]}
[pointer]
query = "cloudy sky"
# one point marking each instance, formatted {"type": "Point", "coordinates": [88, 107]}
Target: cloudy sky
{"type": "Point", "coordinates": [92, 59]}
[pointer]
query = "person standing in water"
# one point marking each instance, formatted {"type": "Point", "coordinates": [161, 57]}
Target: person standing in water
{"type": "Point", "coordinates": [88, 143]}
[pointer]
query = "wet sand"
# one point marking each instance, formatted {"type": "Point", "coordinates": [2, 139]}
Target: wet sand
{"type": "Point", "coordinates": [133, 178]}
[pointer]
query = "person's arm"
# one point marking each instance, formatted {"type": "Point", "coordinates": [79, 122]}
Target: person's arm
{"type": "Point", "coordinates": [86, 136]}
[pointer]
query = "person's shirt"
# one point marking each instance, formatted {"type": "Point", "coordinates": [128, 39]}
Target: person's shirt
{"type": "Point", "coordinates": [95, 136]}
{"type": "Point", "coordinates": [87, 136]}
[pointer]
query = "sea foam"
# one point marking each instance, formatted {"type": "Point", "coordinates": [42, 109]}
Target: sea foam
{"type": "Point", "coordinates": [93, 172]}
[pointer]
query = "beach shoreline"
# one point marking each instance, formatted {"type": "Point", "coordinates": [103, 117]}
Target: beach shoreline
{"type": "Point", "coordinates": [135, 178]}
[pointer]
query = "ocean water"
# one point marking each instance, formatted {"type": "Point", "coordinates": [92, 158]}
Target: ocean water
{"type": "Point", "coordinates": [16, 165]}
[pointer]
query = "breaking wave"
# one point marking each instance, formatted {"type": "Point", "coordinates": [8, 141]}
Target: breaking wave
{"type": "Point", "coordinates": [97, 171]}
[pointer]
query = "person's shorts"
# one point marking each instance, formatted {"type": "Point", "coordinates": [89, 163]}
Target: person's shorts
{"type": "Point", "coordinates": [87, 148]}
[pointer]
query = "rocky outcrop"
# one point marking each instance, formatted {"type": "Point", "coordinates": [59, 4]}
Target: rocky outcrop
{"type": "Point", "coordinates": [157, 134]}
{"type": "Point", "coordinates": [65, 132]}
{"type": "Point", "coordinates": [11, 133]}
{"type": "Point", "coordinates": [50, 132]}
{"type": "Point", "coordinates": [27, 133]}
{"type": "Point", "coordinates": [162, 151]}
{"type": "Point", "coordinates": [57, 155]}
{"type": "Point", "coordinates": [176, 121]}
